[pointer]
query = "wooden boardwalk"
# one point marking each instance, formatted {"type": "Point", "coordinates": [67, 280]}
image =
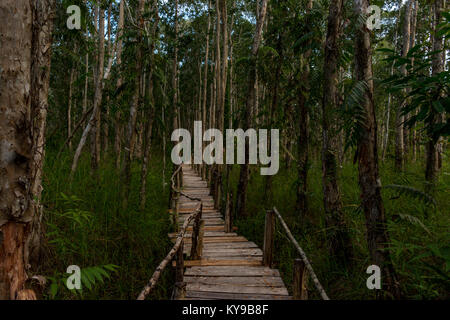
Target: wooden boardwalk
{"type": "Point", "coordinates": [230, 266]}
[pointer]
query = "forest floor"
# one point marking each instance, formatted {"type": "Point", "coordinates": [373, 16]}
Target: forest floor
{"type": "Point", "coordinates": [86, 226]}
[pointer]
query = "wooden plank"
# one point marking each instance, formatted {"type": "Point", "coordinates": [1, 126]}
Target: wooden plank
{"type": "Point", "coordinates": [231, 288]}
{"type": "Point", "coordinates": [207, 234]}
{"type": "Point", "coordinates": [204, 215]}
{"type": "Point", "coordinates": [214, 262]}
{"type": "Point", "coordinates": [234, 296]}
{"type": "Point", "coordinates": [239, 281]}
{"type": "Point", "coordinates": [209, 228]}
{"type": "Point", "coordinates": [232, 271]}
{"type": "Point", "coordinates": [191, 210]}
{"type": "Point", "coordinates": [233, 252]}
{"type": "Point", "coordinates": [233, 245]}
{"type": "Point", "coordinates": [223, 245]}
{"type": "Point", "coordinates": [226, 258]}
{"type": "Point", "coordinates": [216, 239]}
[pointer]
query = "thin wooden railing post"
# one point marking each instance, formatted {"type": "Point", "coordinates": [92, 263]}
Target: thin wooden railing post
{"type": "Point", "coordinates": [176, 209]}
{"type": "Point", "coordinates": [195, 231]}
{"type": "Point", "coordinates": [181, 178]}
{"type": "Point", "coordinates": [228, 213]}
{"type": "Point", "coordinates": [201, 234]}
{"type": "Point", "coordinates": [300, 280]}
{"type": "Point", "coordinates": [269, 233]}
{"type": "Point", "coordinates": [180, 263]}
{"type": "Point", "coordinates": [196, 235]}
{"type": "Point", "coordinates": [180, 286]}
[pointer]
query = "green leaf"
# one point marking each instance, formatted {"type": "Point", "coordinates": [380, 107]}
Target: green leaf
{"type": "Point", "coordinates": [438, 106]}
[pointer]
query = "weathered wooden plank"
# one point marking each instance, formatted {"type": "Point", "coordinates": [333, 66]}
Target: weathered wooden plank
{"type": "Point", "coordinates": [205, 215]}
{"type": "Point", "coordinates": [239, 281]}
{"type": "Point", "coordinates": [191, 210]}
{"type": "Point", "coordinates": [227, 258]}
{"type": "Point", "coordinates": [234, 296]}
{"type": "Point", "coordinates": [232, 252]}
{"type": "Point", "coordinates": [223, 245]}
{"type": "Point", "coordinates": [207, 234]}
{"type": "Point", "coordinates": [232, 245]}
{"type": "Point", "coordinates": [232, 271]}
{"type": "Point", "coordinates": [209, 228]}
{"type": "Point", "coordinates": [216, 262]}
{"type": "Point", "coordinates": [217, 239]}
{"type": "Point", "coordinates": [232, 288]}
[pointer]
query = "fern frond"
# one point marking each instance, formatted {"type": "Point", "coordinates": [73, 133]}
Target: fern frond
{"type": "Point", "coordinates": [414, 220]}
{"type": "Point", "coordinates": [412, 192]}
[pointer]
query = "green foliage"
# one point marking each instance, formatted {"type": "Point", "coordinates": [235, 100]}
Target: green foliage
{"type": "Point", "coordinates": [428, 95]}
{"type": "Point", "coordinates": [353, 113]}
{"type": "Point", "coordinates": [412, 192]}
{"type": "Point", "coordinates": [90, 278]}
{"type": "Point", "coordinates": [86, 226]}
{"type": "Point", "coordinates": [419, 240]}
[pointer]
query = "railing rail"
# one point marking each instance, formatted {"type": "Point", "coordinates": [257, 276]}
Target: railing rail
{"type": "Point", "coordinates": [177, 250]}
{"type": "Point", "coordinates": [302, 267]}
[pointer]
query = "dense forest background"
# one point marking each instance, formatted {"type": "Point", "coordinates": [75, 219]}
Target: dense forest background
{"type": "Point", "coordinates": [363, 117]}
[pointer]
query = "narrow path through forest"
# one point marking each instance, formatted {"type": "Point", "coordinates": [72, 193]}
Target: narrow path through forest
{"type": "Point", "coordinates": [231, 266]}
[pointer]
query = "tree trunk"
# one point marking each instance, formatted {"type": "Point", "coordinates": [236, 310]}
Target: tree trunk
{"type": "Point", "coordinates": [340, 245]}
{"type": "Point", "coordinates": [69, 107]}
{"type": "Point", "coordinates": [131, 127]}
{"type": "Point", "coordinates": [388, 111]}
{"type": "Point", "coordinates": [117, 118]}
{"type": "Point", "coordinates": [432, 150]}
{"type": "Point", "coordinates": [205, 83]}
{"type": "Point", "coordinates": [150, 117]}
{"type": "Point", "coordinates": [25, 35]}
{"type": "Point", "coordinates": [273, 108]}
{"type": "Point", "coordinates": [399, 119]}
{"type": "Point", "coordinates": [92, 124]}
{"type": "Point", "coordinates": [96, 126]}
{"type": "Point", "coordinates": [249, 110]}
{"type": "Point", "coordinates": [413, 24]}
{"type": "Point", "coordinates": [303, 134]}
{"type": "Point", "coordinates": [367, 157]}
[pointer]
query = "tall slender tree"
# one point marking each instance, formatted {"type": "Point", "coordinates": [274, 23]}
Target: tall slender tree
{"type": "Point", "coordinates": [340, 244]}
{"type": "Point", "coordinates": [250, 108]}
{"type": "Point", "coordinates": [367, 157]}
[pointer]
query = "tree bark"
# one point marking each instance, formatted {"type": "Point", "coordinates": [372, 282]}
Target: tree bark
{"type": "Point", "coordinates": [367, 157]}
{"type": "Point", "coordinates": [69, 107]}
{"type": "Point", "coordinates": [340, 245]}
{"type": "Point", "coordinates": [117, 118]}
{"type": "Point", "coordinates": [399, 119]}
{"type": "Point", "coordinates": [432, 152]}
{"type": "Point", "coordinates": [303, 134]}
{"type": "Point", "coordinates": [151, 113]}
{"type": "Point", "coordinates": [249, 109]}
{"type": "Point", "coordinates": [131, 127]}
{"type": "Point", "coordinates": [92, 124]}
{"type": "Point", "coordinates": [205, 82]}
{"type": "Point", "coordinates": [16, 145]}
{"type": "Point", "coordinates": [25, 35]}
{"type": "Point", "coordinates": [96, 125]}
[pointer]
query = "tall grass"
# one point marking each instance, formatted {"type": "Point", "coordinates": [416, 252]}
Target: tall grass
{"type": "Point", "coordinates": [419, 233]}
{"type": "Point", "coordinates": [86, 226]}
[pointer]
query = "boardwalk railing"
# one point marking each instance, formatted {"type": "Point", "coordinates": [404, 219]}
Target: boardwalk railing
{"type": "Point", "coordinates": [177, 250]}
{"type": "Point", "coordinates": [302, 267]}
